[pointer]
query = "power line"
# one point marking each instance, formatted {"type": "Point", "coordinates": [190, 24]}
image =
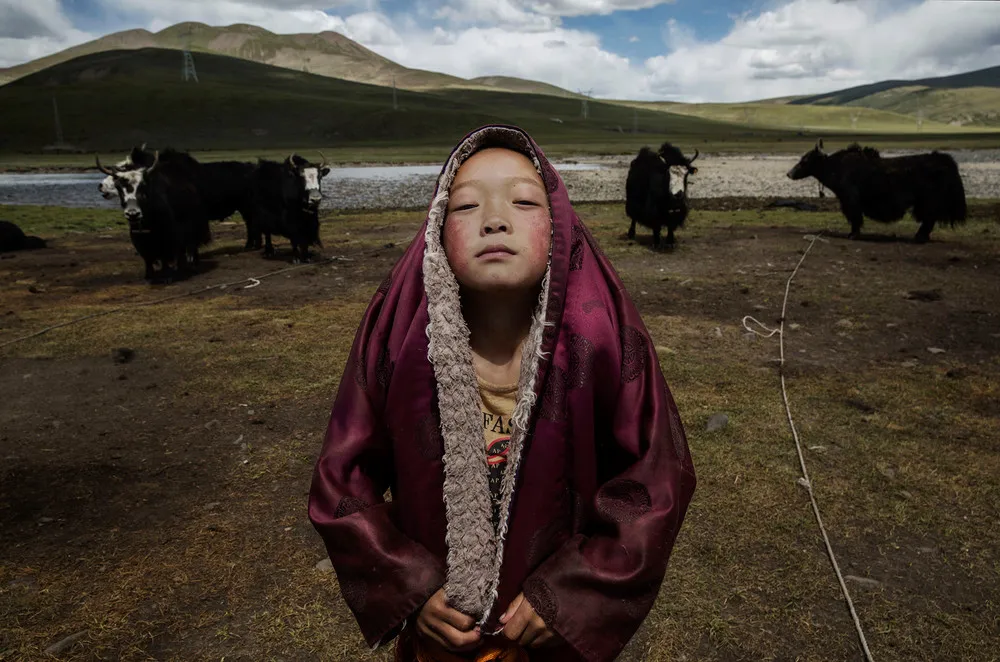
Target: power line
{"type": "Point", "coordinates": [584, 110]}
{"type": "Point", "coordinates": [189, 70]}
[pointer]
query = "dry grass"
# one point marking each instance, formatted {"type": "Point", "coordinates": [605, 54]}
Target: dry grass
{"type": "Point", "coordinates": [203, 550]}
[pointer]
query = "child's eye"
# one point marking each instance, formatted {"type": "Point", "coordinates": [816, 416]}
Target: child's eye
{"type": "Point", "coordinates": [526, 202]}
{"type": "Point", "coordinates": [465, 207]}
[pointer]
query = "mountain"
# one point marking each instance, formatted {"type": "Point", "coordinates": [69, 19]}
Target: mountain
{"type": "Point", "coordinates": [112, 100]}
{"type": "Point", "coordinates": [967, 98]}
{"type": "Point", "coordinates": [511, 84]}
{"type": "Point", "coordinates": [326, 54]}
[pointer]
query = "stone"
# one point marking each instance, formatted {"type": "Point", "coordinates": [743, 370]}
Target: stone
{"type": "Point", "coordinates": [65, 644]}
{"type": "Point", "coordinates": [122, 355]}
{"type": "Point", "coordinates": [924, 295]}
{"type": "Point", "coordinates": [325, 566]}
{"type": "Point", "coordinates": [716, 422]}
{"type": "Point", "coordinates": [864, 581]}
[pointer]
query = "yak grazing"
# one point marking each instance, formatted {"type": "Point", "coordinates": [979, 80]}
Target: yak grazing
{"type": "Point", "coordinates": [883, 189]}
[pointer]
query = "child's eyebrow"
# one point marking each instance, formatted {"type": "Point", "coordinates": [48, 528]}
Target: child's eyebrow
{"type": "Point", "coordinates": [509, 180]}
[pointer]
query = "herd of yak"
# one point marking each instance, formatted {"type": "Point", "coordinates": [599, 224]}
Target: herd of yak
{"type": "Point", "coordinates": [865, 183]}
{"type": "Point", "coordinates": [169, 197]}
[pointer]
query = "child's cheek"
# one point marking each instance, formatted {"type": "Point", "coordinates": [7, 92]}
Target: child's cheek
{"type": "Point", "coordinates": [456, 246]}
{"type": "Point", "coordinates": [540, 236]}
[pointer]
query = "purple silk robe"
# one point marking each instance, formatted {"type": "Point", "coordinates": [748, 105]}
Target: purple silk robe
{"type": "Point", "coordinates": [598, 477]}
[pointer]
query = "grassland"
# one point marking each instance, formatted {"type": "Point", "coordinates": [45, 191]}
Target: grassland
{"type": "Point", "coordinates": [157, 507]}
{"type": "Point", "coordinates": [111, 101]}
{"type": "Point", "coordinates": [240, 104]}
{"type": "Point", "coordinates": [970, 106]}
{"type": "Point", "coordinates": [842, 119]}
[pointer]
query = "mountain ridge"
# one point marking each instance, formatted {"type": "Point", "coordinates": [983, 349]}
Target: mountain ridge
{"type": "Point", "coordinates": [325, 53]}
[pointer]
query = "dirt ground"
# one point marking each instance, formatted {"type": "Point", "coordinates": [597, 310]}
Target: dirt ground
{"type": "Point", "coordinates": [156, 461]}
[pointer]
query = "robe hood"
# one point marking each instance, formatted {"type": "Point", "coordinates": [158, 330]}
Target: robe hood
{"type": "Point", "coordinates": [475, 548]}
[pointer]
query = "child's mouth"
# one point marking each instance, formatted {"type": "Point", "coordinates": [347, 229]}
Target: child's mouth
{"type": "Point", "coordinates": [494, 251]}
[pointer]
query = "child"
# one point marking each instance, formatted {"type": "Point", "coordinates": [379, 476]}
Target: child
{"type": "Point", "coordinates": [503, 386]}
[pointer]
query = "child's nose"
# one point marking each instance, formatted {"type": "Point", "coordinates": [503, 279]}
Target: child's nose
{"type": "Point", "coordinates": [494, 226]}
{"type": "Point", "coordinates": [495, 223]}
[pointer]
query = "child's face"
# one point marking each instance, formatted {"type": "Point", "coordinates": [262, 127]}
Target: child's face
{"type": "Point", "coordinates": [498, 228]}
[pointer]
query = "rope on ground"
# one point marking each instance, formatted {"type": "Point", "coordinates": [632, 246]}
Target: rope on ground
{"type": "Point", "coordinates": [805, 481]}
{"type": "Point", "coordinates": [254, 282]}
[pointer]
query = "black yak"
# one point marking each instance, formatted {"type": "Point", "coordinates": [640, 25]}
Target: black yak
{"type": "Point", "coordinates": [286, 202]}
{"type": "Point", "coordinates": [883, 189]}
{"type": "Point", "coordinates": [12, 238]}
{"type": "Point", "coordinates": [224, 187]}
{"type": "Point", "coordinates": [166, 218]}
{"type": "Point", "coordinates": [656, 190]}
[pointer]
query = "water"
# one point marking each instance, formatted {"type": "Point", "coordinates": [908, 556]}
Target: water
{"type": "Point", "coordinates": [343, 188]}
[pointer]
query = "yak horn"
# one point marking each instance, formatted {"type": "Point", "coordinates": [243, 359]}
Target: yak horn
{"type": "Point", "coordinates": [322, 156]}
{"type": "Point", "coordinates": [156, 162]}
{"type": "Point", "coordinates": [100, 167]}
{"type": "Point", "coordinates": [691, 160]}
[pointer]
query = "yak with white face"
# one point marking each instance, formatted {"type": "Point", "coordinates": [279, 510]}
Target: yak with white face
{"type": "Point", "coordinates": [127, 184]}
{"type": "Point", "coordinates": [166, 218]}
{"type": "Point", "coordinates": [311, 182]}
{"type": "Point", "coordinates": [679, 180]}
{"type": "Point", "coordinates": [107, 187]}
{"type": "Point", "coordinates": [286, 202]}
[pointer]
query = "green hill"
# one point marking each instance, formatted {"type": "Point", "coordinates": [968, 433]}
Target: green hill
{"type": "Point", "coordinates": [112, 100]}
{"type": "Point", "coordinates": [971, 98]}
{"type": "Point", "coordinates": [818, 118]}
{"type": "Point", "coordinates": [326, 54]}
{"type": "Point", "coordinates": [981, 78]}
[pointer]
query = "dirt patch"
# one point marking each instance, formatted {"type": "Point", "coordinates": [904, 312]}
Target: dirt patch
{"type": "Point", "coordinates": [155, 500]}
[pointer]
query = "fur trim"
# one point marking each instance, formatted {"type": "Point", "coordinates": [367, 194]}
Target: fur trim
{"type": "Point", "coordinates": [472, 579]}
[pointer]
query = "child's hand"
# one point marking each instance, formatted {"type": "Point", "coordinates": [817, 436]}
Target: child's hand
{"type": "Point", "coordinates": [448, 627]}
{"type": "Point", "coordinates": [522, 624]}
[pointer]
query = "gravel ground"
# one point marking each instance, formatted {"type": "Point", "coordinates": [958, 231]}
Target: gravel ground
{"type": "Point", "coordinates": [761, 175]}
{"type": "Point", "coordinates": [719, 176]}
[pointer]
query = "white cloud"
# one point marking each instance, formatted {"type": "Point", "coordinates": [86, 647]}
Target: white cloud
{"type": "Point", "coordinates": [30, 30]}
{"type": "Point", "coordinates": [589, 7]}
{"type": "Point", "coordinates": [812, 46]}
{"type": "Point", "coordinates": [567, 58]}
{"type": "Point", "coordinates": [510, 14]}
{"type": "Point", "coordinates": [633, 40]}
{"type": "Point", "coordinates": [792, 47]}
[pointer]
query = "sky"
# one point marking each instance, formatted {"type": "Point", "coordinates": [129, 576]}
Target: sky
{"type": "Point", "coordinates": [675, 50]}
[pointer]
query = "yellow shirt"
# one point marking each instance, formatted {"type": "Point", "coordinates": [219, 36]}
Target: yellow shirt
{"type": "Point", "coordinates": [497, 404]}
